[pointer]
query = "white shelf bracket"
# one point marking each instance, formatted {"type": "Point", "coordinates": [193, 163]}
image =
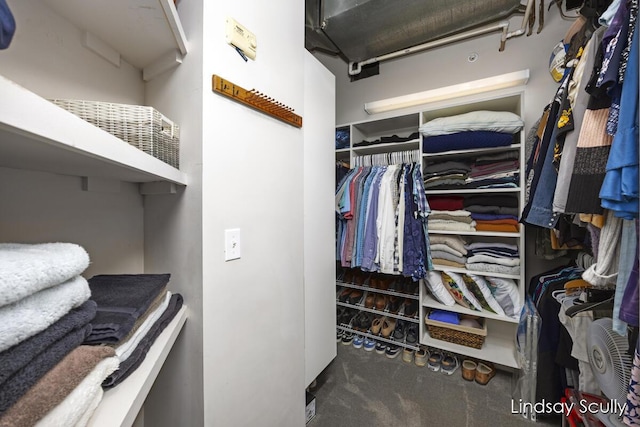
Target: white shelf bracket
{"type": "Point", "coordinates": [163, 64]}
{"type": "Point", "coordinates": [100, 185]}
{"type": "Point", "coordinates": [101, 48]}
{"type": "Point", "coordinates": [158, 187]}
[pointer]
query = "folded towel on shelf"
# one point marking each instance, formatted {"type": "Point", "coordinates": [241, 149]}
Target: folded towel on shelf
{"type": "Point", "coordinates": [137, 356]}
{"type": "Point", "coordinates": [30, 315]}
{"type": "Point", "coordinates": [16, 386]}
{"type": "Point", "coordinates": [28, 268]}
{"type": "Point", "coordinates": [78, 407]}
{"type": "Point", "coordinates": [152, 308]}
{"type": "Point", "coordinates": [125, 349]}
{"type": "Point", "coordinates": [122, 299]}
{"type": "Point", "coordinates": [16, 357]}
{"type": "Point", "coordinates": [54, 386]}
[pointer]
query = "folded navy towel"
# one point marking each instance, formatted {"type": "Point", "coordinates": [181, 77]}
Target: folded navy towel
{"type": "Point", "coordinates": [131, 363]}
{"type": "Point", "coordinates": [16, 357]}
{"type": "Point", "coordinates": [18, 384]}
{"type": "Point", "coordinates": [121, 299]}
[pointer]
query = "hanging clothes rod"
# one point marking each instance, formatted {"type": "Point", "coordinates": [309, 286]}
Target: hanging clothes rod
{"type": "Point", "coordinates": [392, 158]}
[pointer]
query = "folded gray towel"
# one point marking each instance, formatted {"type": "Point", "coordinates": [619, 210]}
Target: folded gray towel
{"type": "Point", "coordinates": [16, 357]}
{"type": "Point", "coordinates": [121, 300]}
{"type": "Point", "coordinates": [16, 386]}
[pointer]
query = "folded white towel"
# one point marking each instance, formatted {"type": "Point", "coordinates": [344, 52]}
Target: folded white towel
{"type": "Point", "coordinates": [35, 313]}
{"type": "Point", "coordinates": [28, 268]}
{"type": "Point", "coordinates": [76, 409]}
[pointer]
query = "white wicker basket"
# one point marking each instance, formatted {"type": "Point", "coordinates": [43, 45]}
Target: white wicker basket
{"type": "Point", "coordinates": [143, 127]}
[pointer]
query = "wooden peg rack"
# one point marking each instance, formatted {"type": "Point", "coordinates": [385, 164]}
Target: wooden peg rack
{"type": "Point", "coordinates": [257, 100]}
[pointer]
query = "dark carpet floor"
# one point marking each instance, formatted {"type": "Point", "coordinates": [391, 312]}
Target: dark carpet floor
{"type": "Point", "coordinates": [361, 388]}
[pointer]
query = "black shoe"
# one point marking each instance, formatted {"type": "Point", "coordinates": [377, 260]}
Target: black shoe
{"type": "Point", "coordinates": [400, 331]}
{"type": "Point", "coordinates": [412, 333]}
{"type": "Point", "coordinates": [410, 307]}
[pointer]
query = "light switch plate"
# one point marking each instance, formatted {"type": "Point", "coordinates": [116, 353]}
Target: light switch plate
{"type": "Point", "coordinates": [237, 35]}
{"type": "Point", "coordinates": [231, 244]}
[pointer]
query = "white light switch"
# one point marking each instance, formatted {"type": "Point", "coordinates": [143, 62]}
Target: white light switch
{"type": "Point", "coordinates": [231, 244]}
{"type": "Point", "coordinates": [238, 36]}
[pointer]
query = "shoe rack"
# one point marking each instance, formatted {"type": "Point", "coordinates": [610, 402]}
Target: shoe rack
{"type": "Point", "coordinates": [393, 297]}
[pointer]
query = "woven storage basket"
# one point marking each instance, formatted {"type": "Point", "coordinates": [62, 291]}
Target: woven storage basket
{"type": "Point", "coordinates": [457, 334]}
{"type": "Point", "coordinates": [143, 127]}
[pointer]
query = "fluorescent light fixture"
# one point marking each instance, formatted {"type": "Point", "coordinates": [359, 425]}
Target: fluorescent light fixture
{"type": "Point", "coordinates": [517, 78]}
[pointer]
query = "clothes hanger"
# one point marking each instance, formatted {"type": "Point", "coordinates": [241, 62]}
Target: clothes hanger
{"type": "Point", "coordinates": [601, 305]}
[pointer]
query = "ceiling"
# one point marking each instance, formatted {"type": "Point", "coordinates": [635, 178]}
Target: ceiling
{"type": "Point", "coordinates": [359, 30]}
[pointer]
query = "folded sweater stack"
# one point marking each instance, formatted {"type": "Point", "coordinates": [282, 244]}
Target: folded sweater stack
{"type": "Point", "coordinates": [448, 250]}
{"type": "Point", "coordinates": [45, 315]}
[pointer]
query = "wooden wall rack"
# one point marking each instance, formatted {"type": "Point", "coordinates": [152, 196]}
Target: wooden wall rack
{"type": "Point", "coordinates": [257, 100]}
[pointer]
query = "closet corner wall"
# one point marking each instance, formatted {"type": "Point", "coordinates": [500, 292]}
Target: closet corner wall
{"type": "Point", "coordinates": [500, 343]}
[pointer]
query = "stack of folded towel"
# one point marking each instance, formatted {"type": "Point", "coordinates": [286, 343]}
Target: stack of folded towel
{"type": "Point", "coordinates": [493, 257]}
{"type": "Point", "coordinates": [45, 315]}
{"type": "Point", "coordinates": [132, 311]}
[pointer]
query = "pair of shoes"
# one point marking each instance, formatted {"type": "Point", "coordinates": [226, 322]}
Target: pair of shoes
{"type": "Point", "coordinates": [392, 351]}
{"type": "Point", "coordinates": [394, 304]}
{"type": "Point", "coordinates": [358, 341]}
{"type": "Point", "coordinates": [346, 315]}
{"type": "Point", "coordinates": [484, 372]}
{"type": "Point", "coordinates": [347, 337]}
{"type": "Point", "coordinates": [449, 364]}
{"type": "Point", "coordinates": [388, 326]}
{"type": "Point", "coordinates": [369, 344]}
{"type": "Point", "coordinates": [376, 324]}
{"type": "Point", "coordinates": [400, 331]}
{"type": "Point", "coordinates": [434, 361]}
{"type": "Point", "coordinates": [410, 307]}
{"type": "Point", "coordinates": [351, 296]}
{"type": "Point", "coordinates": [412, 333]}
{"type": "Point", "coordinates": [380, 301]}
{"type": "Point", "coordinates": [481, 372]}
{"type": "Point", "coordinates": [407, 355]}
{"type": "Point", "coordinates": [421, 356]}
{"type": "Point", "coordinates": [362, 321]}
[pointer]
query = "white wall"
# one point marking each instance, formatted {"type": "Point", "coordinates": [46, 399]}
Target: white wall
{"type": "Point", "coordinates": [252, 180]}
{"type": "Point", "coordinates": [50, 48]}
{"type": "Point", "coordinates": [319, 218]}
{"type": "Point", "coordinates": [44, 207]}
{"type": "Point", "coordinates": [173, 232]}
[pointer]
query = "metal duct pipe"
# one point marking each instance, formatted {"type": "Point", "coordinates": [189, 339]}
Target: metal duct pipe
{"type": "Point", "coordinates": [356, 67]}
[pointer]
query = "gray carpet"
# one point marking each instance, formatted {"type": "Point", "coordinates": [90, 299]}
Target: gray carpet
{"type": "Point", "coordinates": [361, 388]}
